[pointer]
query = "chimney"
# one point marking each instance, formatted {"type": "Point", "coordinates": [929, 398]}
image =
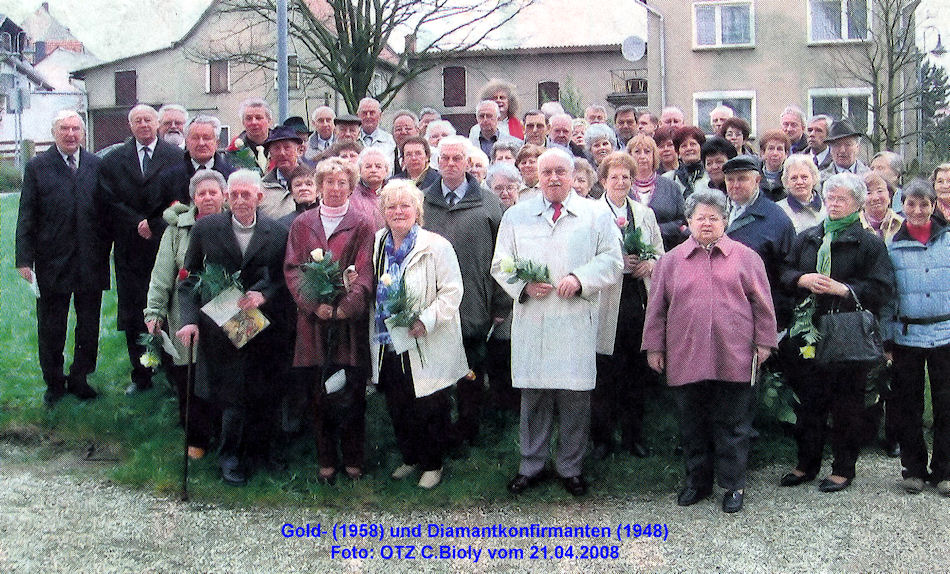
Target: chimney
{"type": "Point", "coordinates": [410, 43]}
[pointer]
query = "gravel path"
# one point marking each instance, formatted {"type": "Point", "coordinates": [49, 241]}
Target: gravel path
{"type": "Point", "coordinates": [57, 517]}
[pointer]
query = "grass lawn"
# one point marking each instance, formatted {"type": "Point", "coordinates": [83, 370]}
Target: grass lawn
{"type": "Point", "coordinates": [144, 435]}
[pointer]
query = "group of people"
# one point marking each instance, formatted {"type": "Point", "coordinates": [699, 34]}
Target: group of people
{"type": "Point", "coordinates": [550, 265]}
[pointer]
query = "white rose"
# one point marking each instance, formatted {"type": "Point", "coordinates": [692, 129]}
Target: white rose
{"type": "Point", "coordinates": [317, 255]}
{"type": "Point", "coordinates": [386, 279]}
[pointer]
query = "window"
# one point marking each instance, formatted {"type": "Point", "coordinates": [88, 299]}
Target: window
{"type": "Point", "coordinates": [723, 24]}
{"type": "Point", "coordinates": [548, 92]}
{"type": "Point", "coordinates": [838, 20]}
{"type": "Point", "coordinates": [218, 78]}
{"type": "Point", "coordinates": [851, 103]}
{"type": "Point", "coordinates": [224, 140]}
{"type": "Point", "coordinates": [741, 102]}
{"type": "Point", "coordinates": [126, 92]}
{"type": "Point", "coordinates": [453, 86]}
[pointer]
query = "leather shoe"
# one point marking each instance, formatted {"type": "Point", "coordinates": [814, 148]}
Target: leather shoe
{"type": "Point", "coordinates": [80, 388]}
{"type": "Point", "coordinates": [892, 449]}
{"type": "Point", "coordinates": [233, 476]}
{"type": "Point", "coordinates": [521, 483]}
{"type": "Point", "coordinates": [690, 496]}
{"type": "Point", "coordinates": [53, 396]}
{"type": "Point", "coordinates": [828, 485]}
{"type": "Point", "coordinates": [732, 501]}
{"type": "Point", "coordinates": [792, 479]}
{"type": "Point", "coordinates": [575, 485]}
{"type": "Point", "coordinates": [639, 450]}
{"type": "Point", "coordinates": [135, 388]}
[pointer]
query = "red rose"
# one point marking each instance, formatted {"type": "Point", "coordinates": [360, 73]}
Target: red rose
{"type": "Point", "coordinates": [182, 274]}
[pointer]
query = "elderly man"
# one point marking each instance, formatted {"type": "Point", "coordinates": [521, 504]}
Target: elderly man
{"type": "Point", "coordinates": [718, 116]}
{"type": "Point", "coordinates": [346, 129]}
{"type": "Point", "coordinates": [485, 133]}
{"type": "Point", "coordinates": [647, 124]}
{"type": "Point", "coordinates": [171, 124]}
{"type": "Point", "coordinates": [818, 148]}
{"type": "Point", "coordinates": [130, 182]}
{"type": "Point", "coordinates": [535, 128]}
{"type": "Point", "coordinates": [553, 335]}
{"type": "Point", "coordinates": [462, 211]}
{"type": "Point", "coordinates": [672, 116]}
{"type": "Point", "coordinates": [890, 166]}
{"type": "Point", "coordinates": [404, 127]}
{"type": "Point", "coordinates": [595, 114]}
{"type": "Point", "coordinates": [59, 249]}
{"type": "Point", "coordinates": [559, 135]}
{"type": "Point", "coordinates": [282, 147]}
{"type": "Point", "coordinates": [201, 144]}
{"type": "Point", "coordinates": [793, 124]}
{"type": "Point", "coordinates": [416, 155]}
{"type": "Point", "coordinates": [371, 135]}
{"type": "Point", "coordinates": [426, 116]}
{"type": "Point", "coordinates": [321, 120]}
{"type": "Point", "coordinates": [845, 143]}
{"type": "Point", "coordinates": [239, 380]}
{"type": "Point", "coordinates": [625, 124]}
{"type": "Point", "coordinates": [247, 149]}
{"type": "Point", "coordinates": [759, 223]}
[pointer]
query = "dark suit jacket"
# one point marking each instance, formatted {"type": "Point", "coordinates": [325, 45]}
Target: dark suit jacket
{"type": "Point", "coordinates": [222, 368]}
{"type": "Point", "coordinates": [668, 206]}
{"type": "Point", "coordinates": [432, 176]}
{"type": "Point", "coordinates": [58, 224]}
{"type": "Point", "coordinates": [175, 179]}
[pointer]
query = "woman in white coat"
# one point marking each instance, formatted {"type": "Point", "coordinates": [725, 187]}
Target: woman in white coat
{"type": "Point", "coordinates": [415, 379]}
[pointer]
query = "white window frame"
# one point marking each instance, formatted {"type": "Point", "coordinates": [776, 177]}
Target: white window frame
{"type": "Point", "coordinates": [208, 75]}
{"type": "Point", "coordinates": [844, 26]}
{"type": "Point", "coordinates": [727, 95]}
{"type": "Point", "coordinates": [718, 4]}
{"type": "Point", "coordinates": [842, 93]}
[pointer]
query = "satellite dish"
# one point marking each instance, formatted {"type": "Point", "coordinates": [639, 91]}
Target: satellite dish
{"type": "Point", "coordinates": [633, 48]}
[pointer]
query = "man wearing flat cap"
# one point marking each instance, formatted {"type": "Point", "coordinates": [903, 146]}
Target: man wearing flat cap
{"type": "Point", "coordinates": [758, 223]}
{"type": "Point", "coordinates": [845, 143]}
{"type": "Point", "coordinates": [282, 147]}
{"type": "Point", "coordinates": [347, 128]}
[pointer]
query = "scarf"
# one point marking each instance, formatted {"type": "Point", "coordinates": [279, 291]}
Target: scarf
{"type": "Point", "coordinates": [833, 228]}
{"type": "Point", "coordinates": [393, 267]}
{"type": "Point", "coordinates": [875, 223]}
{"type": "Point", "coordinates": [797, 206]}
{"type": "Point", "coordinates": [643, 186]}
{"type": "Point", "coordinates": [688, 174]}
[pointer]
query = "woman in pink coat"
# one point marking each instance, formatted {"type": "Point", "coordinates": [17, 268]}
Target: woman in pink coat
{"type": "Point", "coordinates": [708, 316]}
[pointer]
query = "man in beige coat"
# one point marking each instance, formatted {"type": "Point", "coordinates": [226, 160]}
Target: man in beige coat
{"type": "Point", "coordinates": [554, 325]}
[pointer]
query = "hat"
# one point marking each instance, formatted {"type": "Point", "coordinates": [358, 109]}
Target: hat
{"type": "Point", "coordinates": [298, 125]}
{"type": "Point", "coordinates": [842, 129]}
{"type": "Point", "coordinates": [742, 163]}
{"type": "Point", "coordinates": [347, 119]}
{"type": "Point", "coordinates": [279, 133]}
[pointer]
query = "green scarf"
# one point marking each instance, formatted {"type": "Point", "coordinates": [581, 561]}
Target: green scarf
{"type": "Point", "coordinates": [833, 228]}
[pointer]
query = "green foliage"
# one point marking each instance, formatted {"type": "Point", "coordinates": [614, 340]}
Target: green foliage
{"type": "Point", "coordinates": [402, 305]}
{"type": "Point", "coordinates": [525, 270]}
{"type": "Point", "coordinates": [633, 243]}
{"type": "Point", "coordinates": [321, 281]}
{"type": "Point", "coordinates": [214, 279]}
{"type": "Point", "coordinates": [11, 178]}
{"type": "Point", "coordinates": [571, 99]}
{"type": "Point", "coordinates": [778, 400]}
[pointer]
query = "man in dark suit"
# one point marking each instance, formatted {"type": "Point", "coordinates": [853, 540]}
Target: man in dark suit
{"type": "Point", "coordinates": [58, 245]}
{"type": "Point", "coordinates": [240, 381]}
{"type": "Point", "coordinates": [201, 144]}
{"type": "Point", "coordinates": [130, 183]}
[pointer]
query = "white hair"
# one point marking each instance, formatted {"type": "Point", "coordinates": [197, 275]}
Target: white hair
{"type": "Point", "coordinates": [794, 111]}
{"type": "Point", "coordinates": [492, 104]}
{"type": "Point", "coordinates": [849, 181]}
{"type": "Point", "coordinates": [205, 120]}
{"type": "Point", "coordinates": [255, 103]}
{"type": "Point", "coordinates": [440, 124]}
{"type": "Point", "coordinates": [63, 114]}
{"type": "Point", "coordinates": [244, 176]}
{"type": "Point", "coordinates": [723, 108]}
{"type": "Point", "coordinates": [551, 108]}
{"type": "Point", "coordinates": [313, 116]}
{"type": "Point", "coordinates": [372, 150]}
{"type": "Point", "coordinates": [456, 140]}
{"type": "Point", "coordinates": [142, 108]}
{"type": "Point", "coordinates": [557, 153]}
{"type": "Point", "coordinates": [172, 108]}
{"type": "Point", "coordinates": [367, 100]}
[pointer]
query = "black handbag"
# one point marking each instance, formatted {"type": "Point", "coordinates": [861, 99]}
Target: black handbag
{"type": "Point", "coordinates": [849, 336]}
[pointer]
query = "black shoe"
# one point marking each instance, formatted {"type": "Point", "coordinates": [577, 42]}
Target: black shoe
{"type": "Point", "coordinates": [78, 387]}
{"type": "Point", "coordinates": [828, 485]}
{"type": "Point", "coordinates": [792, 479]}
{"type": "Point", "coordinates": [575, 485]}
{"type": "Point", "coordinates": [892, 449]}
{"type": "Point", "coordinates": [136, 388]}
{"type": "Point", "coordinates": [521, 483]}
{"type": "Point", "coordinates": [232, 475]}
{"type": "Point", "coordinates": [53, 396]}
{"type": "Point", "coordinates": [600, 451]}
{"type": "Point", "coordinates": [732, 501]}
{"type": "Point", "coordinates": [690, 496]}
{"type": "Point", "coordinates": [638, 450]}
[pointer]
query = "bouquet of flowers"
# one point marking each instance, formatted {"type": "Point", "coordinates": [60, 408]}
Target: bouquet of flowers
{"type": "Point", "coordinates": [321, 279]}
{"type": "Point", "coordinates": [241, 156]}
{"type": "Point", "coordinates": [525, 270]}
{"type": "Point", "coordinates": [214, 280]}
{"type": "Point", "coordinates": [805, 327]}
{"type": "Point", "coordinates": [633, 243]}
{"type": "Point", "coordinates": [152, 357]}
{"type": "Point", "coordinates": [401, 305]}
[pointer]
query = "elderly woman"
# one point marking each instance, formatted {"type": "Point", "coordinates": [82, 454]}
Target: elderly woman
{"type": "Point", "coordinates": [504, 180]}
{"type": "Point", "coordinates": [504, 151]}
{"type": "Point", "coordinates": [477, 165]}
{"type": "Point", "coordinates": [940, 179]}
{"type": "Point", "coordinates": [710, 301]}
{"type": "Point", "coordinates": [503, 94]}
{"type": "Point", "coordinates": [374, 168]}
{"type": "Point", "coordinates": [350, 151]}
{"type": "Point", "coordinates": [527, 163]}
{"type": "Point", "coordinates": [669, 160]}
{"type": "Point", "coordinates": [601, 142]}
{"type": "Point", "coordinates": [584, 177]}
{"type": "Point", "coordinates": [435, 131]}
{"type": "Point", "coordinates": [658, 193]}
{"type": "Point", "coordinates": [415, 376]}
{"type": "Point", "coordinates": [578, 129]}
{"type": "Point", "coordinates": [831, 266]}
{"type": "Point", "coordinates": [303, 188]}
{"type": "Point", "coordinates": [715, 153]}
{"type": "Point", "coordinates": [622, 371]}
{"type": "Point", "coordinates": [918, 335]}
{"type": "Point", "coordinates": [332, 333]}
{"type": "Point", "coordinates": [803, 204]}
{"type": "Point", "coordinates": [775, 147]}
{"type": "Point", "coordinates": [877, 214]}
{"type": "Point", "coordinates": [688, 141]}
{"type": "Point", "coordinates": [736, 130]}
{"type": "Point", "coordinates": [207, 188]}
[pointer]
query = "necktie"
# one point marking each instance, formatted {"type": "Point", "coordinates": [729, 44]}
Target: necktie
{"type": "Point", "coordinates": [451, 198]}
{"type": "Point", "coordinates": [145, 160]}
{"type": "Point", "coordinates": [557, 210]}
{"type": "Point", "coordinates": [201, 167]}
{"type": "Point", "coordinates": [71, 162]}
{"type": "Point", "coordinates": [815, 157]}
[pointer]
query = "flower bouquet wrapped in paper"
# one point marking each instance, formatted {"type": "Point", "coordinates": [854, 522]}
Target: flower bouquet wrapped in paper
{"type": "Point", "coordinates": [321, 280]}
{"type": "Point", "coordinates": [403, 314]}
{"type": "Point", "coordinates": [525, 270]}
{"type": "Point", "coordinates": [633, 243]}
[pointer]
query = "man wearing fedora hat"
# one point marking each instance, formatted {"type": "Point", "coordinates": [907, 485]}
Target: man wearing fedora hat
{"type": "Point", "coordinates": [298, 124]}
{"type": "Point", "coordinates": [282, 147]}
{"type": "Point", "coordinates": [845, 142]}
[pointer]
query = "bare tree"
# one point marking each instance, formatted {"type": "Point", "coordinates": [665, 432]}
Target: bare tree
{"type": "Point", "coordinates": [345, 44]}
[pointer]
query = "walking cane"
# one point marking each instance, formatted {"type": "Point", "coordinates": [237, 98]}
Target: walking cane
{"type": "Point", "coordinates": [188, 384]}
